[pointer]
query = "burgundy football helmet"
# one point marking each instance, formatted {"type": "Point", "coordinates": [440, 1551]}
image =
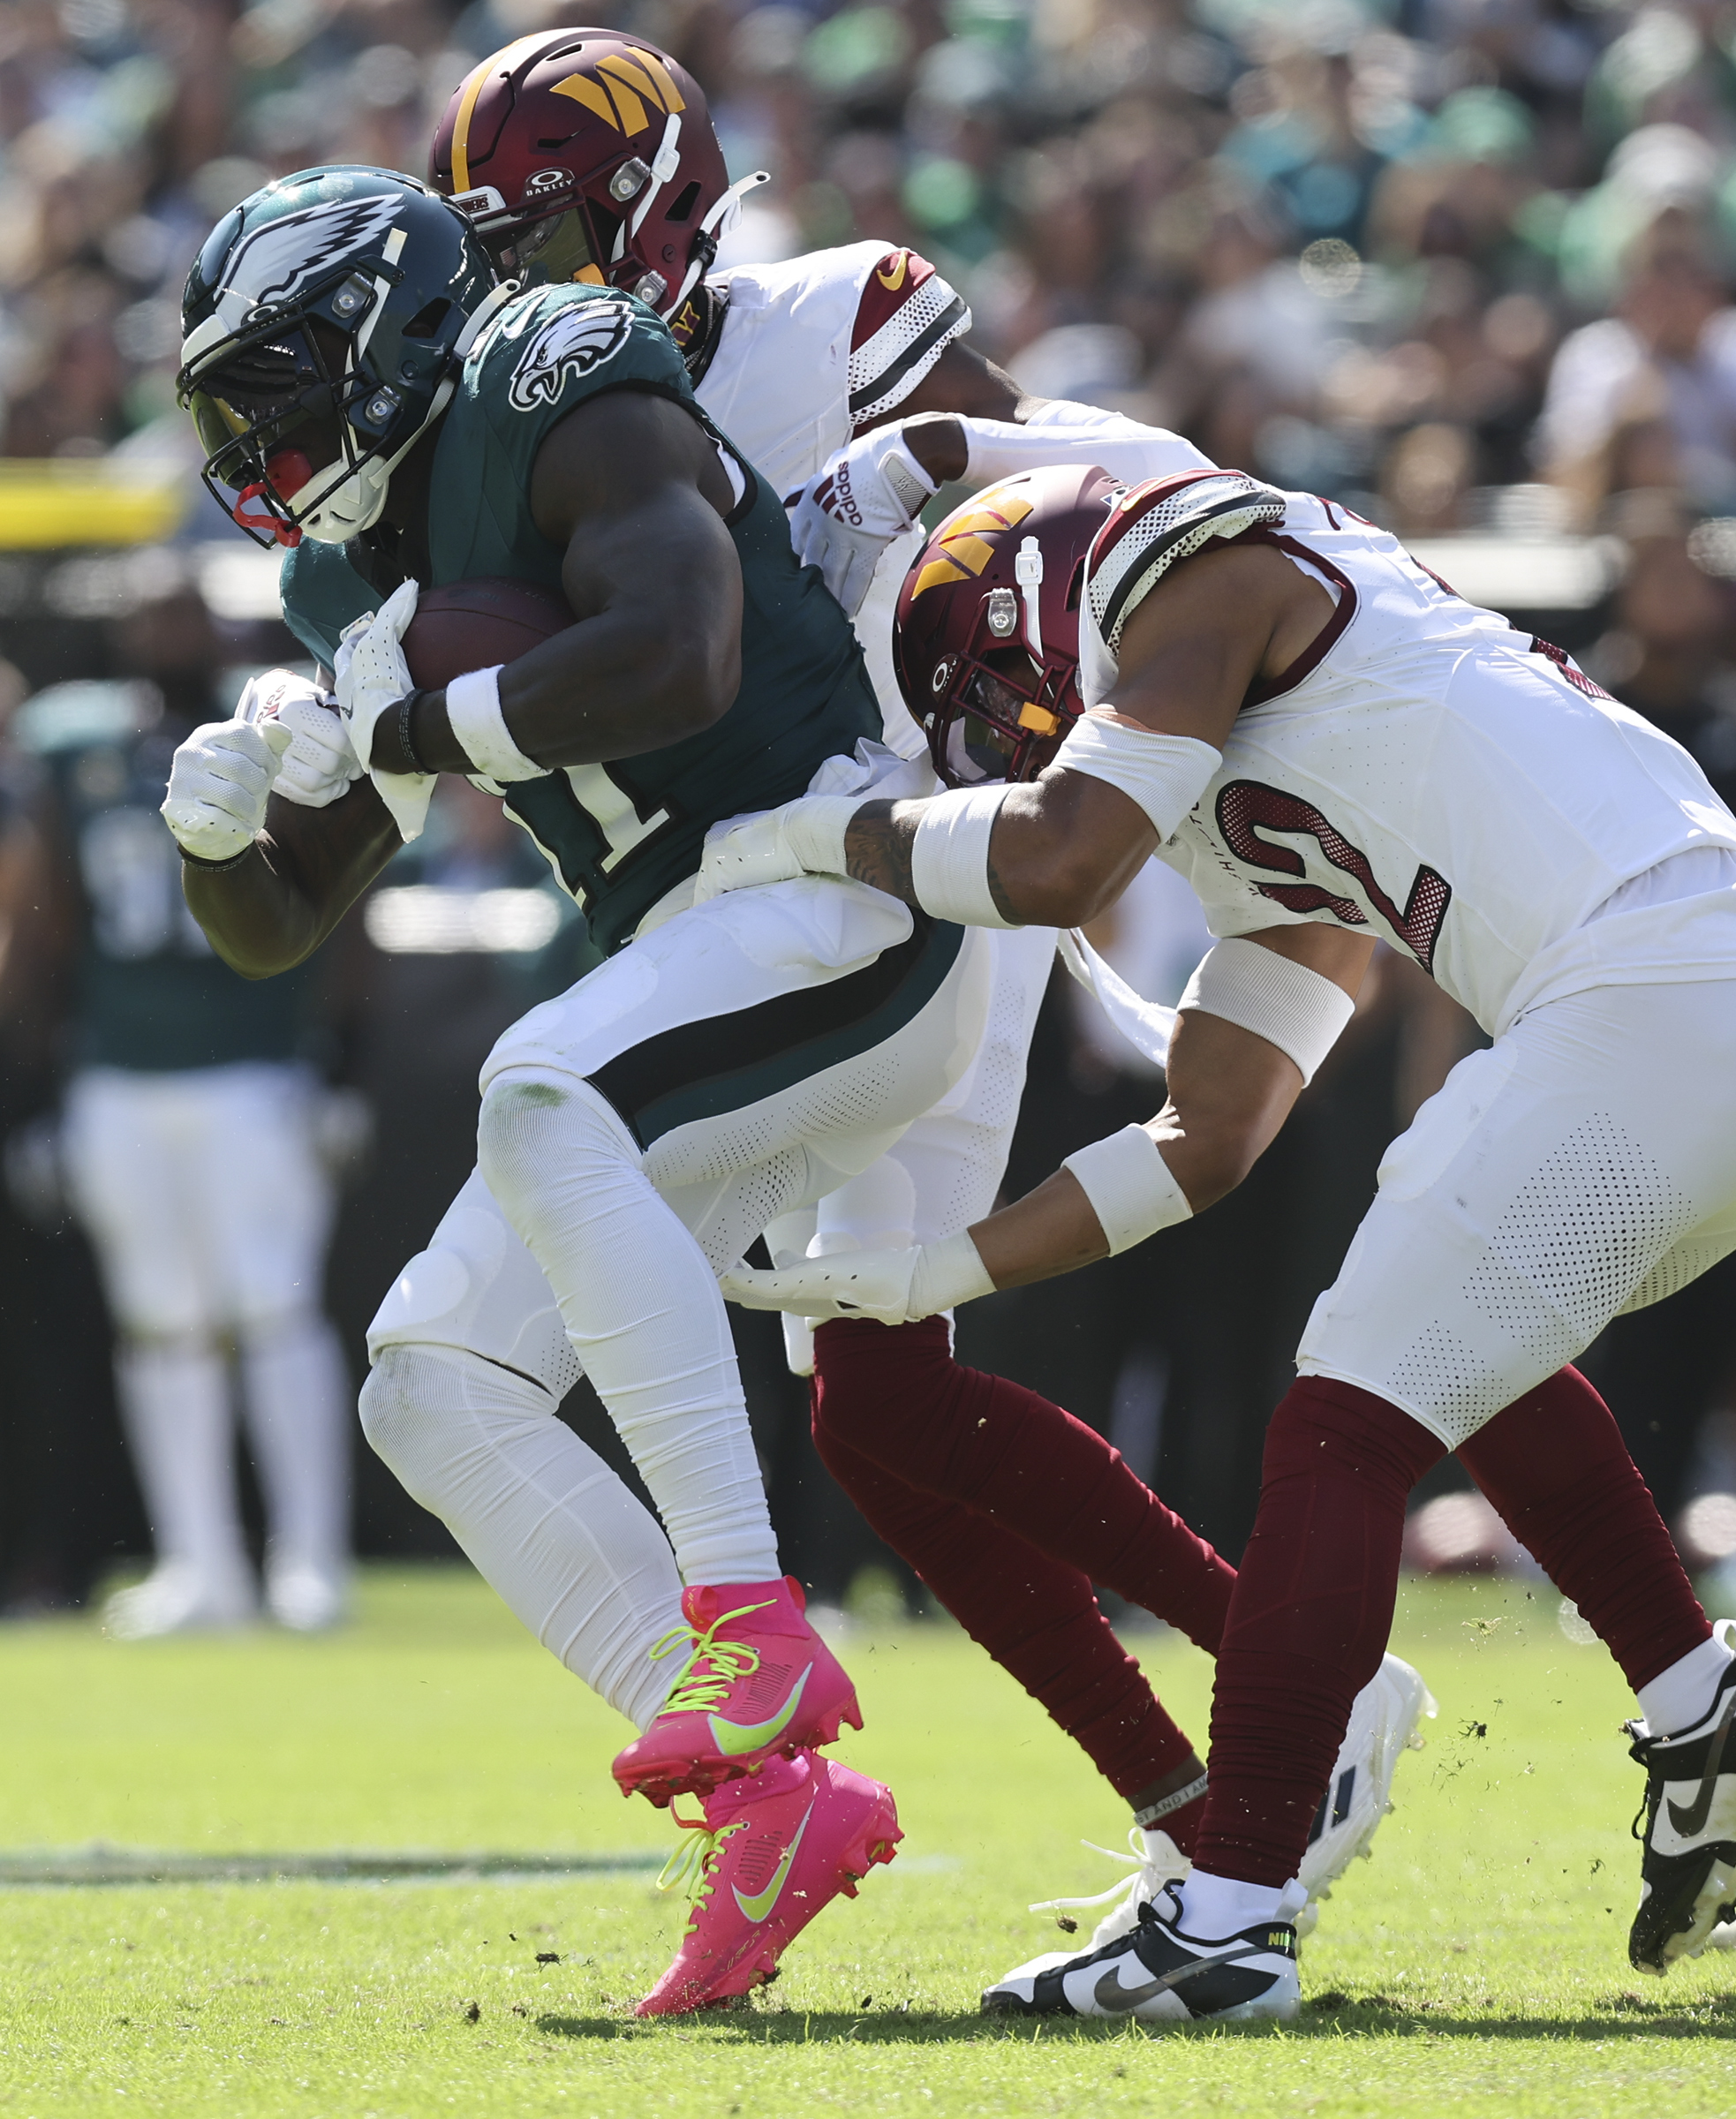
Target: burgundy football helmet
{"type": "Point", "coordinates": [987, 639]}
{"type": "Point", "coordinates": [589, 154]}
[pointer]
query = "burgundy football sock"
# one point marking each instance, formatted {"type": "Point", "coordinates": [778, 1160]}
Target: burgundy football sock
{"type": "Point", "coordinates": [1308, 1621]}
{"type": "Point", "coordinates": [1557, 1471]}
{"type": "Point", "coordinates": [899, 1398]}
{"type": "Point", "coordinates": [1038, 1618]}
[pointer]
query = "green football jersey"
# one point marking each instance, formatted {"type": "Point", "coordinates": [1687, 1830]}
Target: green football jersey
{"type": "Point", "coordinates": [618, 835]}
{"type": "Point", "coordinates": [152, 995]}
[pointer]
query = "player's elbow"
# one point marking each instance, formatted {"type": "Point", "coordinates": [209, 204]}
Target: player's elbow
{"type": "Point", "coordinates": [1210, 1161]}
{"type": "Point", "coordinates": [693, 674]}
{"type": "Point", "coordinates": [1051, 878]}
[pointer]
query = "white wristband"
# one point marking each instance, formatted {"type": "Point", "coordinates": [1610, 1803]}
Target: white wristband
{"type": "Point", "coordinates": [949, 855]}
{"type": "Point", "coordinates": [478, 727]}
{"type": "Point", "coordinates": [948, 1273]}
{"type": "Point", "coordinates": [1286, 1004]}
{"type": "Point", "coordinates": [1132, 1190]}
{"type": "Point", "coordinates": [1165, 775]}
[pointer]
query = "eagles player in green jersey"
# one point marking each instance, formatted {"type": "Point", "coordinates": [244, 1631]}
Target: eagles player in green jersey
{"type": "Point", "coordinates": [396, 421]}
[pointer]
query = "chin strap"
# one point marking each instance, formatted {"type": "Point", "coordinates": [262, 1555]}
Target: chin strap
{"type": "Point", "coordinates": [711, 231]}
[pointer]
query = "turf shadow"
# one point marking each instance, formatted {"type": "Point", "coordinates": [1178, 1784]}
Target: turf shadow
{"type": "Point", "coordinates": [1331, 2015]}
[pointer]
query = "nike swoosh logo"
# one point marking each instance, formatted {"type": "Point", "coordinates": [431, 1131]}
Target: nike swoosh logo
{"type": "Point", "coordinates": [757, 1908]}
{"type": "Point", "coordinates": [1111, 1995]}
{"type": "Point", "coordinates": [893, 280]}
{"type": "Point", "coordinates": [733, 1739]}
{"type": "Point", "coordinates": [1691, 1817]}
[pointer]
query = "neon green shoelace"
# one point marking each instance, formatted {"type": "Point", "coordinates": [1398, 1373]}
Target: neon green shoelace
{"type": "Point", "coordinates": [696, 1690]}
{"type": "Point", "coordinates": [693, 1867]}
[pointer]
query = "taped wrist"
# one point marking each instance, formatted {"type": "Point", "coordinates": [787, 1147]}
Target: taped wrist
{"type": "Point", "coordinates": [1286, 1004]}
{"type": "Point", "coordinates": [1132, 1190]}
{"type": "Point", "coordinates": [1165, 775]}
{"type": "Point", "coordinates": [948, 1273]}
{"type": "Point", "coordinates": [478, 727]}
{"type": "Point", "coordinates": [949, 857]}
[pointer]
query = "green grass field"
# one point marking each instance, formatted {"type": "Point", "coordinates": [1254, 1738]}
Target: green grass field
{"type": "Point", "coordinates": [1475, 1966]}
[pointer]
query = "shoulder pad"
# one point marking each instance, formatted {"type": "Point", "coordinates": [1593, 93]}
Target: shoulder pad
{"type": "Point", "coordinates": [559, 344]}
{"type": "Point", "coordinates": [906, 314]}
{"type": "Point", "coordinates": [1154, 526]}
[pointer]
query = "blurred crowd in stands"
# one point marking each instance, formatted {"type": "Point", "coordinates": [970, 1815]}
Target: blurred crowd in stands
{"type": "Point", "coordinates": [1466, 265]}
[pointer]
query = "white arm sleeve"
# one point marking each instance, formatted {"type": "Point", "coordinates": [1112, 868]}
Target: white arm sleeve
{"type": "Point", "coordinates": [1132, 1190]}
{"type": "Point", "coordinates": [1298, 1010]}
{"type": "Point", "coordinates": [1065, 432]}
{"type": "Point", "coordinates": [949, 855]}
{"type": "Point", "coordinates": [1165, 775]}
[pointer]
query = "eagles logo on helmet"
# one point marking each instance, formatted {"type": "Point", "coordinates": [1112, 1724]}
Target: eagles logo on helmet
{"type": "Point", "coordinates": [986, 643]}
{"type": "Point", "coordinates": [640, 197]}
{"type": "Point", "coordinates": [324, 320]}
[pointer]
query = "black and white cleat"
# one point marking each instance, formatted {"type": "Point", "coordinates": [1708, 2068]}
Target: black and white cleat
{"type": "Point", "coordinates": [1160, 1974]}
{"type": "Point", "coordinates": [1687, 1831]}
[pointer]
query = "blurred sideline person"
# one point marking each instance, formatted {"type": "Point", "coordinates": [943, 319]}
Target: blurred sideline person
{"type": "Point", "coordinates": [192, 1161]}
{"type": "Point", "coordinates": [1332, 747]}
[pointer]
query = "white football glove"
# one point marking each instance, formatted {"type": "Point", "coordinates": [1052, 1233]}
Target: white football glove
{"type": "Point", "coordinates": [318, 767]}
{"type": "Point", "coordinates": [370, 677]}
{"type": "Point", "coordinates": [219, 784]}
{"type": "Point", "coordinates": [892, 1288]}
{"type": "Point", "coordinates": [804, 838]}
{"type": "Point", "coordinates": [846, 516]}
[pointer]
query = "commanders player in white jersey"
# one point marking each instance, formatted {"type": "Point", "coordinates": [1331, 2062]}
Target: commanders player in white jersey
{"type": "Point", "coordinates": [1334, 747]}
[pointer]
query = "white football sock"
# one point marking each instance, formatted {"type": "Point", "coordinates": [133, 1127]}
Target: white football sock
{"type": "Point", "coordinates": [174, 1402]}
{"type": "Point", "coordinates": [296, 1390]}
{"type": "Point", "coordinates": [556, 1534]}
{"type": "Point", "coordinates": [642, 1310]}
{"type": "Point", "coordinates": [1215, 1906]}
{"type": "Point", "coordinates": [1676, 1698]}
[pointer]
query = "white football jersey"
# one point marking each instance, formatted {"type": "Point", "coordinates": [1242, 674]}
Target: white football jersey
{"type": "Point", "coordinates": [815, 347]}
{"type": "Point", "coordinates": [1427, 774]}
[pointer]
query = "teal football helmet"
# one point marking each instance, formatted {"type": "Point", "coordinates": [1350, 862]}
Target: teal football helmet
{"type": "Point", "coordinates": [324, 322]}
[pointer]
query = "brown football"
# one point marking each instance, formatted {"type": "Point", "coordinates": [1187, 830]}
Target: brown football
{"type": "Point", "coordinates": [475, 625]}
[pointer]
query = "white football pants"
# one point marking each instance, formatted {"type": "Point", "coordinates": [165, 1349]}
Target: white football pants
{"type": "Point", "coordinates": [209, 1212]}
{"type": "Point", "coordinates": [637, 1135]}
{"type": "Point", "coordinates": [475, 1440]}
{"type": "Point", "coordinates": [1583, 1165]}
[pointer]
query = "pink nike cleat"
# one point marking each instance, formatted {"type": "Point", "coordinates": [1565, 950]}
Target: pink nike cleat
{"type": "Point", "coordinates": [758, 1681]}
{"type": "Point", "coordinates": [773, 1852]}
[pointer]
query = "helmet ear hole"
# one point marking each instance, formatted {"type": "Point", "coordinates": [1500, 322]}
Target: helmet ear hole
{"type": "Point", "coordinates": [682, 208]}
{"type": "Point", "coordinates": [428, 319]}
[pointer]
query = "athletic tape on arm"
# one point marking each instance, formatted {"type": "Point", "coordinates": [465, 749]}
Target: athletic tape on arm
{"type": "Point", "coordinates": [1299, 1012]}
{"type": "Point", "coordinates": [1132, 1190]}
{"type": "Point", "coordinates": [1165, 775]}
{"type": "Point", "coordinates": [478, 727]}
{"type": "Point", "coordinates": [949, 855]}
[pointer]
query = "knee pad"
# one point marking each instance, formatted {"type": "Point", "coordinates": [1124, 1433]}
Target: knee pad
{"type": "Point", "coordinates": [477, 1289]}
{"type": "Point", "coordinates": [525, 1117]}
{"type": "Point", "coordinates": [413, 1392]}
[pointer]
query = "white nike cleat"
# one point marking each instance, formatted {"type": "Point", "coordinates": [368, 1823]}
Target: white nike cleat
{"type": "Point", "coordinates": [1383, 1716]}
{"type": "Point", "coordinates": [1155, 1861]}
{"type": "Point", "coordinates": [178, 1597]}
{"type": "Point", "coordinates": [1158, 1974]}
{"type": "Point", "coordinates": [1687, 1827]}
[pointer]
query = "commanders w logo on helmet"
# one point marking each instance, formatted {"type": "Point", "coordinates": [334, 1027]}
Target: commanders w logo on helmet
{"type": "Point", "coordinates": [622, 88]}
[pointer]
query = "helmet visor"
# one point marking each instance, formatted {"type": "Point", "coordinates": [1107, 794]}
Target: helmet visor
{"type": "Point", "coordinates": [1000, 723]}
{"type": "Point", "coordinates": [245, 408]}
{"type": "Point", "coordinates": [548, 252]}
